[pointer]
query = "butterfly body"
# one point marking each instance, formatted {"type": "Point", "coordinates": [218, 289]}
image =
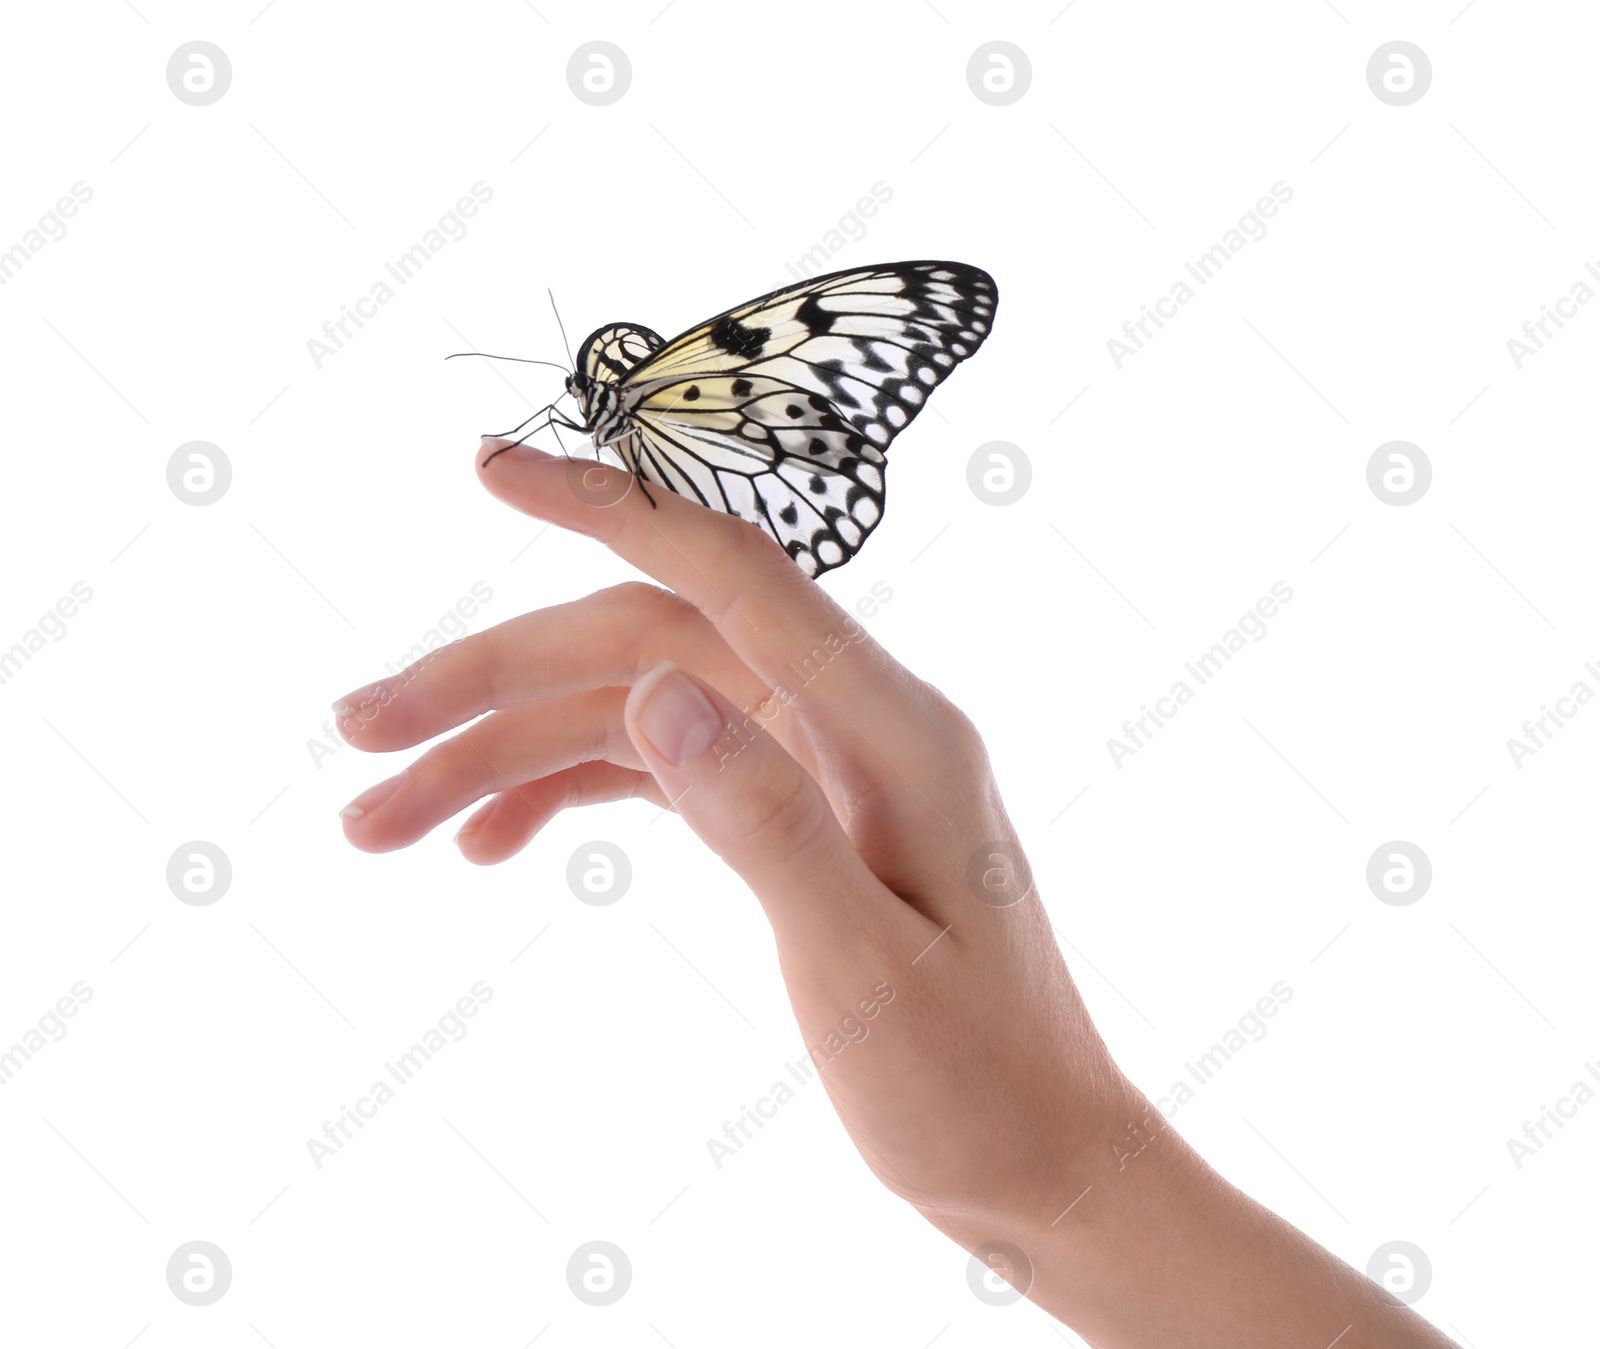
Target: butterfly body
{"type": "Point", "coordinates": [779, 411]}
{"type": "Point", "coordinates": [609, 354]}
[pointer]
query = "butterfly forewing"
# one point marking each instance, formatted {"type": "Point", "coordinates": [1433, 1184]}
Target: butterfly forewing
{"type": "Point", "coordinates": [873, 341]}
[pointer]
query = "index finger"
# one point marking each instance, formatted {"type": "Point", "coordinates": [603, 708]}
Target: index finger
{"type": "Point", "coordinates": [775, 618]}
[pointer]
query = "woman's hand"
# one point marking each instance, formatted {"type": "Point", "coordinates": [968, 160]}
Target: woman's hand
{"type": "Point", "coordinates": [858, 805]}
{"type": "Point", "coordinates": [854, 799]}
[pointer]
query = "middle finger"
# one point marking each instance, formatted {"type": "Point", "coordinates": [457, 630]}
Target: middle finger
{"type": "Point", "coordinates": [602, 640]}
{"type": "Point", "coordinates": [495, 754]}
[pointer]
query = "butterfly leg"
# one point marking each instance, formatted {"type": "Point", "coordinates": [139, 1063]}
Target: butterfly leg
{"type": "Point", "coordinates": [551, 422]}
{"type": "Point", "coordinates": [500, 435]}
{"type": "Point", "coordinates": [570, 425]}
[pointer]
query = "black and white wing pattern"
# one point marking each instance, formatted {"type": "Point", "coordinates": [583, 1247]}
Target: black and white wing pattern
{"type": "Point", "coordinates": [780, 411]}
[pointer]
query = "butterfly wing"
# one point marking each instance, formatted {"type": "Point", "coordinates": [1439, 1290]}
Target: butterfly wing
{"type": "Point", "coordinates": [769, 452]}
{"type": "Point", "coordinates": [780, 410]}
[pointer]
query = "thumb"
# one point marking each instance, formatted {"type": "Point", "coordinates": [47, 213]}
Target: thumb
{"type": "Point", "coordinates": [742, 793]}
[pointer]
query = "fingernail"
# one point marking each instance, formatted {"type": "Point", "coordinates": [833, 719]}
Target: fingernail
{"type": "Point", "coordinates": [353, 703]}
{"type": "Point", "coordinates": [678, 719]}
{"type": "Point", "coordinates": [355, 710]}
{"type": "Point", "coordinates": [498, 447]}
{"type": "Point", "coordinates": [474, 821]}
{"type": "Point", "coordinates": [372, 798]}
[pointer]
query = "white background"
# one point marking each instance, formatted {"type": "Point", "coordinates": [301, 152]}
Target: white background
{"type": "Point", "coordinates": [184, 699]}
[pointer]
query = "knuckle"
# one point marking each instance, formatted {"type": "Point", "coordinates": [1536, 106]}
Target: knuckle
{"type": "Point", "coordinates": [954, 728]}
{"type": "Point", "coordinates": [634, 600]}
{"type": "Point", "coordinates": [455, 764]}
{"type": "Point", "coordinates": [780, 817]}
{"type": "Point", "coordinates": [608, 740]}
{"type": "Point", "coordinates": [632, 594]}
{"type": "Point", "coordinates": [646, 606]}
{"type": "Point", "coordinates": [755, 563]}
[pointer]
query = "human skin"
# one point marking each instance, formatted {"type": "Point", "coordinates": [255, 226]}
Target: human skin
{"type": "Point", "coordinates": [861, 811]}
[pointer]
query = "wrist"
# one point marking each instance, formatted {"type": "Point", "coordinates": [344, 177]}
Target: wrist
{"type": "Point", "coordinates": [1063, 1210]}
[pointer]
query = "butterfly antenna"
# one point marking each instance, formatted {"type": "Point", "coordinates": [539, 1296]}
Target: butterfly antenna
{"type": "Point", "coordinates": [562, 326]}
{"type": "Point", "coordinates": [487, 355]}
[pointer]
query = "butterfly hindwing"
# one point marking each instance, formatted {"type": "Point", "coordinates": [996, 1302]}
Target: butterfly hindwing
{"type": "Point", "coordinates": [771, 453]}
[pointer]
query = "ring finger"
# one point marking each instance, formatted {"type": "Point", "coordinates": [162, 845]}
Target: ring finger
{"type": "Point", "coordinates": [497, 753]}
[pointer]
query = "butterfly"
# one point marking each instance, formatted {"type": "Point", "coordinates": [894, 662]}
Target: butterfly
{"type": "Point", "coordinates": [780, 410]}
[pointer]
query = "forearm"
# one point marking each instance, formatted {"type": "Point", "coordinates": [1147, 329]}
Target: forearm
{"type": "Point", "coordinates": [1159, 1250]}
